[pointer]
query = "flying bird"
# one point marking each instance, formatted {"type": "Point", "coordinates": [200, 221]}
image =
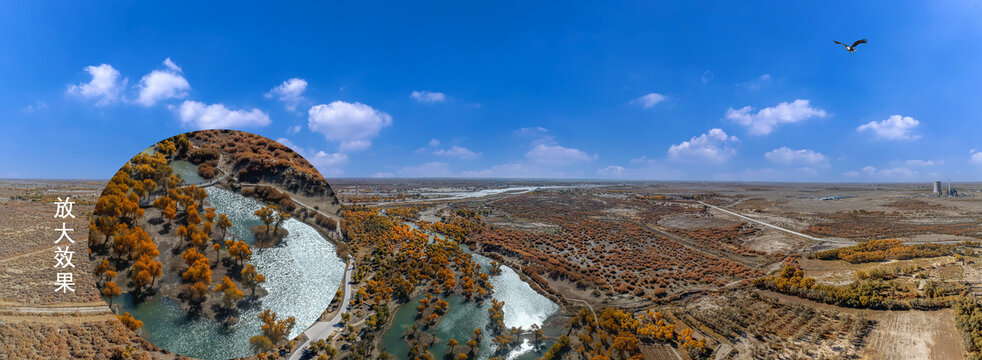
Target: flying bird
{"type": "Point", "coordinates": [853, 46]}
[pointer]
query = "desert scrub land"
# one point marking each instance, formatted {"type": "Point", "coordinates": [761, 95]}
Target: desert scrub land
{"type": "Point", "coordinates": [635, 249]}
{"type": "Point", "coordinates": [617, 254]}
{"type": "Point", "coordinates": [36, 322]}
{"type": "Point", "coordinates": [643, 270]}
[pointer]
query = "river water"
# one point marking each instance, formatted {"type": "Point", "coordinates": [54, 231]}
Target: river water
{"type": "Point", "coordinates": [187, 171]}
{"type": "Point", "coordinates": [448, 195]}
{"type": "Point", "coordinates": [523, 308]}
{"type": "Point", "coordinates": [302, 276]}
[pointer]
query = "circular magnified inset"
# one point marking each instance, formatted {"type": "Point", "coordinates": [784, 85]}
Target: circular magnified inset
{"type": "Point", "coordinates": [217, 244]}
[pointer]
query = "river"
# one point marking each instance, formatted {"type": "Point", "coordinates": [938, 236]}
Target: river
{"type": "Point", "coordinates": [187, 171]}
{"type": "Point", "coordinates": [302, 276]}
{"type": "Point", "coordinates": [448, 195]}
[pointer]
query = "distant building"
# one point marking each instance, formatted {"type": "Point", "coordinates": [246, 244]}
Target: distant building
{"type": "Point", "coordinates": [940, 190]}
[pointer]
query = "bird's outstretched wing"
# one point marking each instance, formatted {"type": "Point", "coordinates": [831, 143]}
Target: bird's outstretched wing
{"type": "Point", "coordinates": [861, 41]}
{"type": "Point", "coordinates": [840, 43]}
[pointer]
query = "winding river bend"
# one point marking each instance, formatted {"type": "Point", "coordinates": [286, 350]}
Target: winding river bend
{"type": "Point", "coordinates": [523, 308]}
{"type": "Point", "coordinates": [302, 275]}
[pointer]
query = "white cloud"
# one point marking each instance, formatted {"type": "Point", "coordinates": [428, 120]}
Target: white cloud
{"type": "Point", "coordinates": [706, 76]}
{"type": "Point", "coordinates": [519, 170]}
{"type": "Point", "coordinates": [896, 127]}
{"type": "Point", "coordinates": [428, 96]}
{"type": "Point", "coordinates": [286, 142]}
{"type": "Point", "coordinates": [892, 174]}
{"type": "Point", "coordinates": [545, 159]}
{"type": "Point", "coordinates": [713, 146]}
{"type": "Point", "coordinates": [767, 119]}
{"type": "Point", "coordinates": [290, 92]}
{"type": "Point", "coordinates": [162, 85]}
{"type": "Point", "coordinates": [757, 83]}
{"type": "Point", "coordinates": [171, 65]}
{"type": "Point", "coordinates": [434, 142]}
{"type": "Point", "coordinates": [217, 116]}
{"type": "Point", "coordinates": [36, 106]}
{"type": "Point", "coordinates": [649, 100]}
{"type": "Point", "coordinates": [901, 172]}
{"type": "Point", "coordinates": [538, 134]}
{"type": "Point", "coordinates": [329, 164]}
{"type": "Point", "coordinates": [353, 124]}
{"type": "Point", "coordinates": [923, 163]}
{"type": "Point", "coordinates": [611, 171]}
{"type": "Point", "coordinates": [645, 169]}
{"type": "Point", "coordinates": [641, 160]}
{"type": "Point", "coordinates": [976, 157]}
{"type": "Point", "coordinates": [531, 131]}
{"type": "Point", "coordinates": [322, 159]}
{"type": "Point", "coordinates": [106, 85]}
{"type": "Point", "coordinates": [354, 145]}
{"type": "Point", "coordinates": [456, 151]}
{"type": "Point", "coordinates": [293, 129]}
{"type": "Point", "coordinates": [768, 174]}
{"type": "Point", "coordinates": [785, 155]}
{"type": "Point", "coordinates": [430, 169]}
{"type": "Point", "coordinates": [557, 155]}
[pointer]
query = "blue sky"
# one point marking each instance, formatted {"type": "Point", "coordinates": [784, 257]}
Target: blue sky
{"type": "Point", "coordinates": [744, 90]}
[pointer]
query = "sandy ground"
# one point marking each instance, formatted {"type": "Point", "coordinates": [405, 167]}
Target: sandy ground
{"type": "Point", "coordinates": [915, 335]}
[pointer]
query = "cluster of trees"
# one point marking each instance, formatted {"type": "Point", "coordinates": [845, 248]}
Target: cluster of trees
{"type": "Point", "coordinates": [326, 222]}
{"type": "Point", "coordinates": [130, 322]}
{"type": "Point", "coordinates": [148, 180]}
{"type": "Point", "coordinates": [885, 249]}
{"type": "Point", "coordinates": [207, 171]}
{"type": "Point", "coordinates": [497, 315]}
{"type": "Point", "coordinates": [968, 319]}
{"type": "Point", "coordinates": [457, 225]}
{"type": "Point", "coordinates": [889, 272]}
{"type": "Point", "coordinates": [257, 158]}
{"type": "Point", "coordinates": [274, 331]}
{"type": "Point", "coordinates": [419, 349]}
{"type": "Point", "coordinates": [114, 222]}
{"type": "Point", "coordinates": [201, 155]}
{"type": "Point", "coordinates": [321, 350]}
{"type": "Point", "coordinates": [196, 228]}
{"type": "Point", "coordinates": [430, 309]}
{"type": "Point", "coordinates": [867, 294]}
{"type": "Point", "coordinates": [376, 198]}
{"type": "Point", "coordinates": [505, 338]}
{"type": "Point", "coordinates": [617, 334]}
{"type": "Point", "coordinates": [230, 293]}
{"type": "Point", "coordinates": [271, 215]}
{"type": "Point", "coordinates": [404, 213]}
{"type": "Point", "coordinates": [394, 261]}
{"type": "Point", "coordinates": [270, 195]}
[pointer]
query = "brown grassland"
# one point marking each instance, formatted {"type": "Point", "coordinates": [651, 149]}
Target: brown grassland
{"type": "Point", "coordinates": [666, 275]}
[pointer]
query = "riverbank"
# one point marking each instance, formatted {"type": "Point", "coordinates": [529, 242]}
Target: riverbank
{"type": "Point", "coordinates": [308, 215]}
